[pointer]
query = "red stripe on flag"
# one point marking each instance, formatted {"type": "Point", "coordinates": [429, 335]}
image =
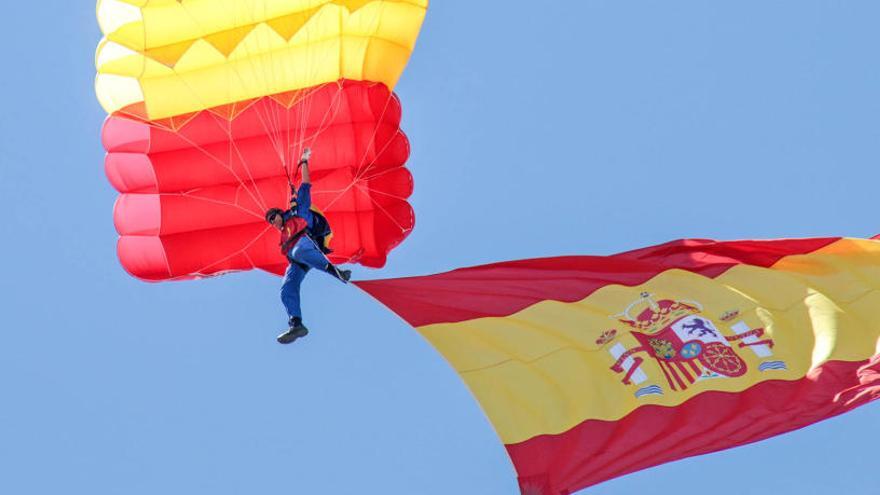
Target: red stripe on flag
{"type": "Point", "coordinates": [596, 451]}
{"type": "Point", "coordinates": [502, 289]}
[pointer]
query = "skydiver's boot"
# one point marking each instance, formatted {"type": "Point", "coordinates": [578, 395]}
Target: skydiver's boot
{"type": "Point", "coordinates": [296, 330]}
{"type": "Point", "coordinates": [343, 275]}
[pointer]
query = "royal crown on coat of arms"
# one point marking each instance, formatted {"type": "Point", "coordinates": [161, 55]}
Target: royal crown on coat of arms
{"type": "Point", "coordinates": [650, 316]}
{"type": "Point", "coordinates": [686, 345]}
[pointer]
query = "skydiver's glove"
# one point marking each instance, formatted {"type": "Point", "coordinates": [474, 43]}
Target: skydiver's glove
{"type": "Point", "coordinates": [307, 153]}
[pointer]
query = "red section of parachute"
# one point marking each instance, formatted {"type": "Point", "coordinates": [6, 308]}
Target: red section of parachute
{"type": "Point", "coordinates": [195, 188]}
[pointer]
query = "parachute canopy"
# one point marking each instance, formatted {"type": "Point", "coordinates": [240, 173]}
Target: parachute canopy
{"type": "Point", "coordinates": [592, 367]}
{"type": "Point", "coordinates": [211, 103]}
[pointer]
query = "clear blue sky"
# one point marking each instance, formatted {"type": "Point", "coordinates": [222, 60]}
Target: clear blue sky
{"type": "Point", "coordinates": [578, 127]}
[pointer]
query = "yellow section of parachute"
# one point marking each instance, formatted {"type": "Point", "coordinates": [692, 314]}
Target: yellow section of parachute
{"type": "Point", "coordinates": [161, 58]}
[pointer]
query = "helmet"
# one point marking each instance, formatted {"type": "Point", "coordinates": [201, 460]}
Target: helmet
{"type": "Point", "coordinates": [272, 212]}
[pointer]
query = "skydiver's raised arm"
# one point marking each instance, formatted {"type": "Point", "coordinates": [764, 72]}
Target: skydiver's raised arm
{"type": "Point", "coordinates": [304, 195]}
{"type": "Point", "coordinates": [304, 163]}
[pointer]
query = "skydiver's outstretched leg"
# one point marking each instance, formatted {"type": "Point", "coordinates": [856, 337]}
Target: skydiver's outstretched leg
{"type": "Point", "coordinates": [290, 298]}
{"type": "Point", "coordinates": [306, 252]}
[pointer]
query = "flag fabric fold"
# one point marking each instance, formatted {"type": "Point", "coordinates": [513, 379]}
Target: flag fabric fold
{"type": "Point", "coordinates": [591, 367]}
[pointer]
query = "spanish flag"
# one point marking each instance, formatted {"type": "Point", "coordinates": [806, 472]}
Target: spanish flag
{"type": "Point", "coordinates": [592, 367]}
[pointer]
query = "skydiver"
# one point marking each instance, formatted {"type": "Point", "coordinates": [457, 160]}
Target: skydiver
{"type": "Point", "coordinates": [302, 243]}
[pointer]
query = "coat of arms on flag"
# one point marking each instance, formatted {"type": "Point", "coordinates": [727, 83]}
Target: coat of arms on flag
{"type": "Point", "coordinates": [686, 345]}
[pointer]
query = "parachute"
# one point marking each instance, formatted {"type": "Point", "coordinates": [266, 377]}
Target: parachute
{"type": "Point", "coordinates": [591, 367]}
{"type": "Point", "coordinates": [210, 104]}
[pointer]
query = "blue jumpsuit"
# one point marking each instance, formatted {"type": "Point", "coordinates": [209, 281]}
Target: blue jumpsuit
{"type": "Point", "coordinates": [304, 255]}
